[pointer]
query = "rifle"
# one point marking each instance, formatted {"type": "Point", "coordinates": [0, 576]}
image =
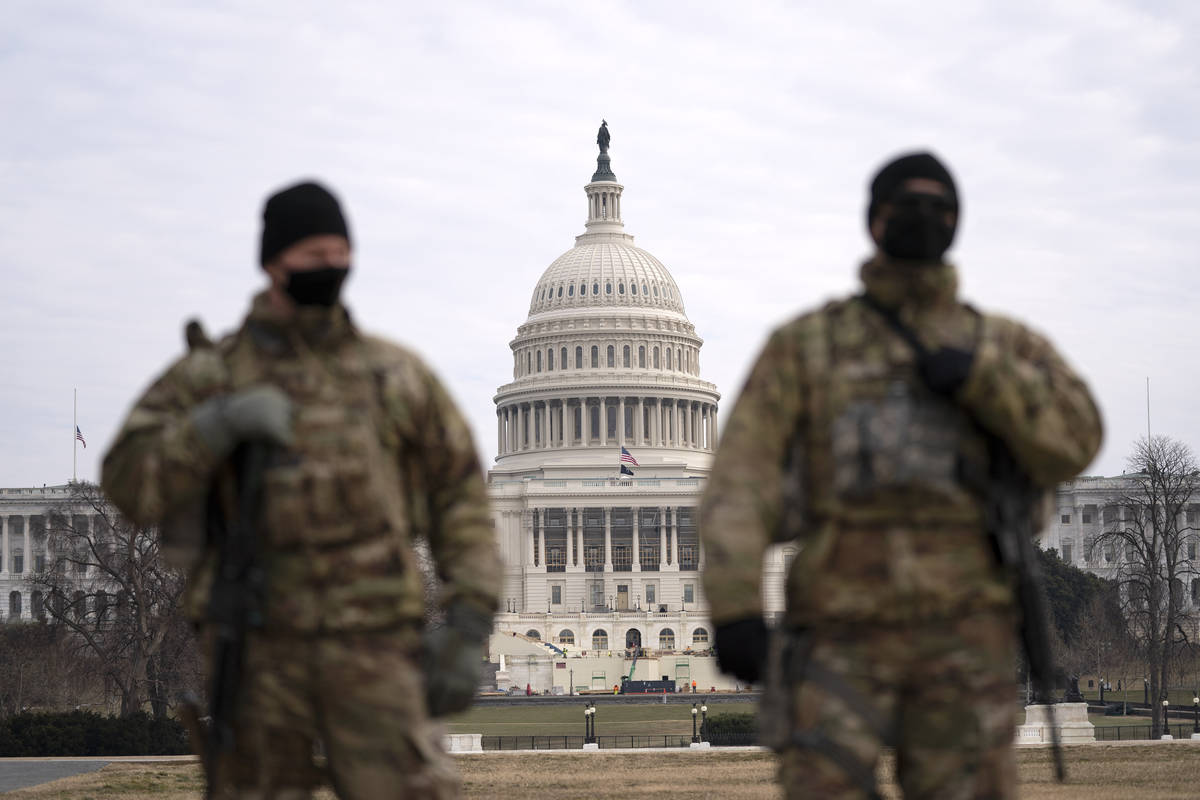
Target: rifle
{"type": "Point", "coordinates": [235, 604]}
{"type": "Point", "coordinates": [1011, 501]}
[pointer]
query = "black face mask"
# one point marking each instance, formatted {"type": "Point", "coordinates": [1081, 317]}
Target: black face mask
{"type": "Point", "coordinates": [316, 287]}
{"type": "Point", "coordinates": [917, 228]}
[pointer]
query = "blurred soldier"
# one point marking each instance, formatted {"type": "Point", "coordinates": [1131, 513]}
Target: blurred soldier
{"type": "Point", "coordinates": [367, 452]}
{"type": "Point", "coordinates": [866, 432]}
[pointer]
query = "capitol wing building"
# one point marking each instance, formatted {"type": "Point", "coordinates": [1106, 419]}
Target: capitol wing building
{"type": "Point", "coordinates": [605, 438]}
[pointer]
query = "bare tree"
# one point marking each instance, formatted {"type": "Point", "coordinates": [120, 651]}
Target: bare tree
{"type": "Point", "coordinates": [102, 579]}
{"type": "Point", "coordinates": [1151, 525]}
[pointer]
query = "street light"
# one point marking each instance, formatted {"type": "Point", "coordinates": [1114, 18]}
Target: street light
{"type": "Point", "coordinates": [703, 722]}
{"type": "Point", "coordinates": [695, 735]}
{"type": "Point", "coordinates": [1166, 730]}
{"type": "Point", "coordinates": [1196, 711]}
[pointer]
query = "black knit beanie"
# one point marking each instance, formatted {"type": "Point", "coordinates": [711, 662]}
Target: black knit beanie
{"type": "Point", "coordinates": [291, 214]}
{"type": "Point", "coordinates": [911, 165]}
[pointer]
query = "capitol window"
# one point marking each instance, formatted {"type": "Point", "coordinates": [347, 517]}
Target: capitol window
{"type": "Point", "coordinates": [571, 290]}
{"type": "Point", "coordinates": [642, 356]}
{"type": "Point", "coordinates": [608, 288]}
{"type": "Point", "coordinates": [625, 356]}
{"type": "Point", "coordinates": [566, 636]}
{"type": "Point", "coordinates": [600, 640]}
{"type": "Point", "coordinates": [656, 358]}
{"type": "Point", "coordinates": [532, 634]}
{"type": "Point", "coordinates": [656, 290]}
{"type": "Point", "coordinates": [549, 360]}
{"type": "Point", "coordinates": [560, 291]}
{"type": "Point", "coordinates": [596, 288]}
{"type": "Point", "coordinates": [612, 356]}
{"type": "Point", "coordinates": [633, 288]}
{"type": "Point", "coordinates": [666, 639]}
{"type": "Point", "coordinates": [644, 289]}
{"type": "Point", "coordinates": [668, 358]}
{"type": "Point", "coordinates": [595, 357]}
{"type": "Point", "coordinates": [689, 593]}
{"type": "Point", "coordinates": [578, 358]}
{"type": "Point", "coordinates": [539, 361]}
{"type": "Point", "coordinates": [562, 358]}
{"type": "Point", "coordinates": [620, 288]}
{"type": "Point", "coordinates": [556, 595]}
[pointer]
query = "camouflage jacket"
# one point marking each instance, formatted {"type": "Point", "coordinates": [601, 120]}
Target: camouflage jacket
{"type": "Point", "coordinates": [381, 456]}
{"type": "Point", "coordinates": [837, 444]}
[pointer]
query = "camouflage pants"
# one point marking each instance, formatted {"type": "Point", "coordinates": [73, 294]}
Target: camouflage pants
{"type": "Point", "coordinates": [360, 695]}
{"type": "Point", "coordinates": [943, 693]}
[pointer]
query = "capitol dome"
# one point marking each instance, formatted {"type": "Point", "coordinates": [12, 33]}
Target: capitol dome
{"type": "Point", "coordinates": [605, 272]}
{"type": "Point", "coordinates": [606, 358]}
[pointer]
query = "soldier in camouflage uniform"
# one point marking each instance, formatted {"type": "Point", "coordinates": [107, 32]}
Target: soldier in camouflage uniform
{"type": "Point", "coordinates": [899, 628]}
{"type": "Point", "coordinates": [369, 454]}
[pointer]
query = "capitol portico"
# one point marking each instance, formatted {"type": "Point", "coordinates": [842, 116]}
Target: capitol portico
{"type": "Point", "coordinates": [598, 562]}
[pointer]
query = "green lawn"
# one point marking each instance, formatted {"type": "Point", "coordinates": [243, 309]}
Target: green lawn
{"type": "Point", "coordinates": [559, 720]}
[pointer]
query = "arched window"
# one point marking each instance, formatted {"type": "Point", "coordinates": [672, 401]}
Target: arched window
{"type": "Point", "coordinates": [36, 607]}
{"type": "Point", "coordinates": [625, 356]}
{"type": "Point", "coordinates": [14, 605]}
{"type": "Point", "coordinates": [612, 356]}
{"type": "Point", "coordinates": [656, 358]}
{"type": "Point", "coordinates": [595, 357]}
{"type": "Point", "coordinates": [566, 636]}
{"type": "Point", "coordinates": [571, 290]}
{"type": "Point", "coordinates": [528, 363]}
{"type": "Point", "coordinates": [1068, 551]}
{"type": "Point", "coordinates": [678, 359]}
{"type": "Point", "coordinates": [656, 290]}
{"type": "Point", "coordinates": [578, 358]}
{"type": "Point", "coordinates": [539, 360]}
{"type": "Point", "coordinates": [687, 360]}
{"type": "Point", "coordinates": [550, 360]}
{"type": "Point", "coordinates": [620, 288]}
{"type": "Point", "coordinates": [608, 287]}
{"type": "Point", "coordinates": [560, 291]}
{"type": "Point", "coordinates": [645, 290]}
{"type": "Point", "coordinates": [668, 358]}
{"type": "Point", "coordinates": [596, 288]}
{"type": "Point", "coordinates": [633, 288]}
{"type": "Point", "coordinates": [562, 358]}
{"type": "Point", "coordinates": [600, 640]}
{"type": "Point", "coordinates": [699, 636]}
{"type": "Point", "coordinates": [666, 639]}
{"type": "Point", "coordinates": [642, 356]}
{"type": "Point", "coordinates": [532, 634]}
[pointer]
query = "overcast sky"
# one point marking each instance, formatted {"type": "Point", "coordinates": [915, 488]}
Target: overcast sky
{"type": "Point", "coordinates": [140, 140]}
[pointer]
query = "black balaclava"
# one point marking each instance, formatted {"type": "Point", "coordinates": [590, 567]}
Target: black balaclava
{"type": "Point", "coordinates": [916, 229]}
{"type": "Point", "coordinates": [291, 214]}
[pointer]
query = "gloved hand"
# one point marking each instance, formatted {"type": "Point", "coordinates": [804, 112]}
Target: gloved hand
{"type": "Point", "coordinates": [945, 370]}
{"type": "Point", "coordinates": [260, 412]}
{"type": "Point", "coordinates": [742, 648]}
{"type": "Point", "coordinates": [453, 656]}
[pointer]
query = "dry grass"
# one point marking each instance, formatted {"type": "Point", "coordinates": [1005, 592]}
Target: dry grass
{"type": "Point", "coordinates": [1097, 772]}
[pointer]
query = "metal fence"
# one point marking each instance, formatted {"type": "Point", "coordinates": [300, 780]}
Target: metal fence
{"type": "Point", "coordinates": [610, 741]}
{"type": "Point", "coordinates": [1120, 733]}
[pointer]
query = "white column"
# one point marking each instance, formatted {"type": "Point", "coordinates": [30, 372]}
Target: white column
{"type": "Point", "coordinates": [520, 428]}
{"type": "Point", "coordinates": [531, 551]}
{"type": "Point", "coordinates": [621, 421]}
{"type": "Point", "coordinates": [546, 424]}
{"type": "Point", "coordinates": [637, 540]}
{"type": "Point", "coordinates": [662, 538]}
{"type": "Point", "coordinates": [7, 563]}
{"type": "Point", "coordinates": [716, 436]}
{"type": "Point", "coordinates": [608, 540]}
{"type": "Point", "coordinates": [639, 429]}
{"type": "Point", "coordinates": [678, 423]}
{"type": "Point", "coordinates": [499, 432]}
{"type": "Point", "coordinates": [542, 537]}
{"type": "Point", "coordinates": [689, 418]}
{"type": "Point", "coordinates": [675, 536]}
{"type": "Point", "coordinates": [604, 421]}
{"type": "Point", "coordinates": [571, 557]}
{"type": "Point", "coordinates": [585, 422]}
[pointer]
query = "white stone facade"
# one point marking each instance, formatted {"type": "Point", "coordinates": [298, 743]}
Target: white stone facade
{"type": "Point", "coordinates": [24, 549]}
{"type": "Point", "coordinates": [607, 359]}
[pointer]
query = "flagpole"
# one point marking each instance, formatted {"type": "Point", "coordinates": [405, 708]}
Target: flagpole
{"type": "Point", "coordinates": [74, 427]}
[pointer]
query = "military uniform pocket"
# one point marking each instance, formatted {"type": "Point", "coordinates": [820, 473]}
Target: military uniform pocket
{"type": "Point", "coordinates": [284, 505]}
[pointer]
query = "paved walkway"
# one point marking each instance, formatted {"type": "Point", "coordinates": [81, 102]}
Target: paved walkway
{"type": "Point", "coordinates": [20, 773]}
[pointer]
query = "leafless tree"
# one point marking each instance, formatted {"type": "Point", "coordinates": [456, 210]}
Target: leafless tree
{"type": "Point", "coordinates": [1152, 527]}
{"type": "Point", "coordinates": [103, 581]}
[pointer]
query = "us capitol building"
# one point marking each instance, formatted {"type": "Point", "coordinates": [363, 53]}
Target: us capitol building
{"type": "Point", "coordinates": [599, 563]}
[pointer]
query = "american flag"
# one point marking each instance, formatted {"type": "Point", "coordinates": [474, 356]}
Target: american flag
{"type": "Point", "coordinates": [79, 436]}
{"type": "Point", "coordinates": [627, 458]}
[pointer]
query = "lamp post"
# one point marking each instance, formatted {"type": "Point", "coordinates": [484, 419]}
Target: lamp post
{"type": "Point", "coordinates": [1166, 730]}
{"type": "Point", "coordinates": [703, 722]}
{"type": "Point", "coordinates": [1196, 712]}
{"type": "Point", "coordinates": [695, 735]}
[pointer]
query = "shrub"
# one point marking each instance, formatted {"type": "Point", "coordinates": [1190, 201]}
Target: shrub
{"type": "Point", "coordinates": [86, 733]}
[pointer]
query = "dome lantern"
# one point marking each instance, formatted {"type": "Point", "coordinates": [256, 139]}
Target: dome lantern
{"type": "Point", "coordinates": [603, 192]}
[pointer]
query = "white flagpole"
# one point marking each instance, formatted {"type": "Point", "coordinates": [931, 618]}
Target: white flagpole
{"type": "Point", "coordinates": [74, 427]}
